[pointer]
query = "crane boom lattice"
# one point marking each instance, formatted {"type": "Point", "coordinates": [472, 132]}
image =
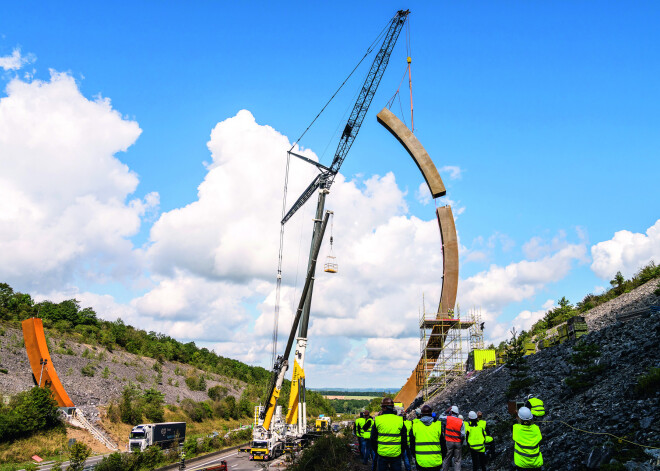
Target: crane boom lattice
{"type": "Point", "coordinates": [327, 177]}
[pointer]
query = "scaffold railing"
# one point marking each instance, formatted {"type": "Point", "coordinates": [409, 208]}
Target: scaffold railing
{"type": "Point", "coordinates": [444, 341]}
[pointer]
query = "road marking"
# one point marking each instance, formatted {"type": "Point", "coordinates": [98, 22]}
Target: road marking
{"type": "Point", "coordinates": [212, 460]}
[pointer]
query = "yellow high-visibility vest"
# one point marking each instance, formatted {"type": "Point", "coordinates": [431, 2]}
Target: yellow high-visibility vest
{"type": "Point", "coordinates": [389, 428]}
{"type": "Point", "coordinates": [526, 452]}
{"type": "Point", "coordinates": [359, 423]}
{"type": "Point", "coordinates": [427, 443]}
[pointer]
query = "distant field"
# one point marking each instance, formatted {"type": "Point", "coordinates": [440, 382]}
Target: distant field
{"type": "Point", "coordinates": [348, 398]}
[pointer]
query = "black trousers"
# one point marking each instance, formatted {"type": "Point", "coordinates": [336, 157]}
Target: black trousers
{"type": "Point", "coordinates": [478, 460]}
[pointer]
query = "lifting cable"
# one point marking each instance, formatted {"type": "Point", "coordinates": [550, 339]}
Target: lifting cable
{"type": "Point", "coordinates": [620, 439]}
{"type": "Point", "coordinates": [286, 184]}
{"type": "Point", "coordinates": [408, 71]}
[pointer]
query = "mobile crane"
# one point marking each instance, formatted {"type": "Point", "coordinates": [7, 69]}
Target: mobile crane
{"type": "Point", "coordinates": [269, 435]}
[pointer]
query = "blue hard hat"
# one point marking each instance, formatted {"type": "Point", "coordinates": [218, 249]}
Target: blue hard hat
{"type": "Point", "coordinates": [433, 414]}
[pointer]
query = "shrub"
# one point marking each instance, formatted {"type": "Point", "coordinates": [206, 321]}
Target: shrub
{"type": "Point", "coordinates": [129, 409]}
{"type": "Point", "coordinates": [106, 373]}
{"type": "Point", "coordinates": [586, 370]}
{"type": "Point", "coordinates": [28, 412]}
{"type": "Point", "coordinates": [197, 411]}
{"type": "Point", "coordinates": [196, 383]}
{"type": "Point", "coordinates": [217, 393]}
{"type": "Point", "coordinates": [648, 384]}
{"type": "Point", "coordinates": [88, 370]}
{"type": "Point", "coordinates": [328, 453]}
{"type": "Point", "coordinates": [78, 455]}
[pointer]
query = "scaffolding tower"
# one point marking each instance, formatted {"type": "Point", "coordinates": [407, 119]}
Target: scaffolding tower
{"type": "Point", "coordinates": [444, 339]}
{"type": "Point", "coordinates": [476, 330]}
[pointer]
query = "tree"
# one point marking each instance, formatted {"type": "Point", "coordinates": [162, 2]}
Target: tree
{"type": "Point", "coordinates": [617, 282]}
{"type": "Point", "coordinates": [112, 462]}
{"type": "Point", "coordinates": [78, 455]}
{"type": "Point", "coordinates": [129, 410]}
{"type": "Point", "coordinates": [517, 362]}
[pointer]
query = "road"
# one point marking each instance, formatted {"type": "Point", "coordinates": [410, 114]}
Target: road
{"type": "Point", "coordinates": [235, 462]}
{"type": "Point", "coordinates": [90, 463]}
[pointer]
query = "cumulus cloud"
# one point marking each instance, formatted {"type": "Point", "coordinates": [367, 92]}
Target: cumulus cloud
{"type": "Point", "coordinates": [526, 319]}
{"type": "Point", "coordinates": [63, 194]}
{"type": "Point", "coordinates": [15, 60]}
{"type": "Point", "coordinates": [626, 252]}
{"type": "Point", "coordinates": [494, 289]}
{"type": "Point", "coordinates": [453, 170]}
{"type": "Point", "coordinates": [227, 239]}
{"type": "Point", "coordinates": [423, 194]}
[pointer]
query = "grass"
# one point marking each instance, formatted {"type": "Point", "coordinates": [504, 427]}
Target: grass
{"type": "Point", "coordinates": [45, 444]}
{"type": "Point", "coordinates": [648, 384]}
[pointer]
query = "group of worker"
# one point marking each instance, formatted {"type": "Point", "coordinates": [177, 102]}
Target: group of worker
{"type": "Point", "coordinates": [436, 443]}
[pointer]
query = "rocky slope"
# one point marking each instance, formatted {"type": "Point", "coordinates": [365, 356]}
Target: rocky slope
{"type": "Point", "coordinates": [89, 391]}
{"type": "Point", "coordinates": [605, 403]}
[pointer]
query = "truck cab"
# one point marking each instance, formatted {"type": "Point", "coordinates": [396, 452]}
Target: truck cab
{"type": "Point", "coordinates": [140, 438]}
{"type": "Point", "coordinates": [164, 434]}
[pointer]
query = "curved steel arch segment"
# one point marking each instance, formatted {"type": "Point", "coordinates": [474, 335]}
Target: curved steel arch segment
{"type": "Point", "coordinates": [444, 320]}
{"type": "Point", "coordinates": [415, 149]}
{"type": "Point", "coordinates": [41, 362]}
{"type": "Point", "coordinates": [449, 259]}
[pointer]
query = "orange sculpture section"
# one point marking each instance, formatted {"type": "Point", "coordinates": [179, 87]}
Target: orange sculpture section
{"type": "Point", "coordinates": [40, 361]}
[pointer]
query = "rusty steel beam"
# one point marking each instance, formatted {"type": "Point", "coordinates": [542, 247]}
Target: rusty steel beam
{"type": "Point", "coordinates": [449, 241]}
{"type": "Point", "coordinates": [41, 362]}
{"type": "Point", "coordinates": [415, 149]}
{"type": "Point", "coordinates": [449, 259]}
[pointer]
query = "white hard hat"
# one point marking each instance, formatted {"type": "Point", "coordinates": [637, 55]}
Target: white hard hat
{"type": "Point", "coordinates": [454, 409]}
{"type": "Point", "coordinates": [524, 413]}
{"type": "Point", "coordinates": [472, 415]}
{"type": "Point", "coordinates": [460, 416]}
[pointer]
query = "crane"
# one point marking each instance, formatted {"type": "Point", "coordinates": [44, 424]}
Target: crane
{"type": "Point", "coordinates": [296, 417]}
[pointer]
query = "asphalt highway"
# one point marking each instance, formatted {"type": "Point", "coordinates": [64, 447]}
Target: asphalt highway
{"type": "Point", "coordinates": [235, 462]}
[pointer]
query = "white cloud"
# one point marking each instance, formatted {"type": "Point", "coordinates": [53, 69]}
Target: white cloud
{"type": "Point", "coordinates": [15, 60]}
{"type": "Point", "coordinates": [228, 237]}
{"type": "Point", "coordinates": [453, 170]}
{"type": "Point", "coordinates": [526, 319]}
{"type": "Point", "coordinates": [537, 247]}
{"type": "Point", "coordinates": [63, 194]}
{"type": "Point", "coordinates": [494, 289]}
{"type": "Point", "coordinates": [626, 252]}
{"type": "Point", "coordinates": [423, 194]}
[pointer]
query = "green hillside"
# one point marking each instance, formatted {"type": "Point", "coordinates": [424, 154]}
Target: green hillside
{"type": "Point", "coordinates": [68, 320]}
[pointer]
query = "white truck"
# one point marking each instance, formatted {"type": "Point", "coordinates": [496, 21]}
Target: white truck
{"type": "Point", "coordinates": [165, 435]}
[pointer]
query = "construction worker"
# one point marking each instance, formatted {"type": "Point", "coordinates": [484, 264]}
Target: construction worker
{"type": "Point", "coordinates": [476, 439]}
{"type": "Point", "coordinates": [454, 430]}
{"type": "Point", "coordinates": [481, 421]}
{"type": "Point", "coordinates": [366, 436]}
{"type": "Point", "coordinates": [490, 444]}
{"type": "Point", "coordinates": [535, 405]}
{"type": "Point", "coordinates": [406, 453]}
{"type": "Point", "coordinates": [526, 439]}
{"type": "Point", "coordinates": [425, 439]}
{"type": "Point", "coordinates": [388, 437]}
{"type": "Point", "coordinates": [357, 431]}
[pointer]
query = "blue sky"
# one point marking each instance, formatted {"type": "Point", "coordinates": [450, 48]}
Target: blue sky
{"type": "Point", "coordinates": [549, 110]}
